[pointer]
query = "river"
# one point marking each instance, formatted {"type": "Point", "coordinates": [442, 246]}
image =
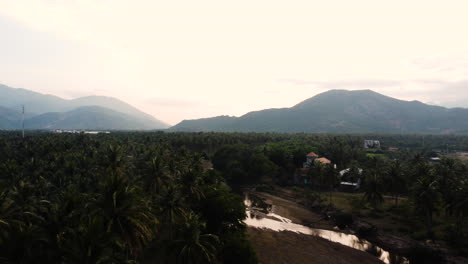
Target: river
{"type": "Point", "coordinates": [261, 215]}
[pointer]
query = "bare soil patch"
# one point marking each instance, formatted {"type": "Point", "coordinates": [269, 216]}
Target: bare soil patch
{"type": "Point", "coordinates": [292, 248]}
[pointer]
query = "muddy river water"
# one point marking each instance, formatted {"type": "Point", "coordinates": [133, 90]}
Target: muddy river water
{"type": "Point", "coordinates": [262, 215]}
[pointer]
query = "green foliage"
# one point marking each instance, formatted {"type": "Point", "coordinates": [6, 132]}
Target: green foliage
{"type": "Point", "coordinates": [139, 197]}
{"type": "Point", "coordinates": [242, 164]}
{"type": "Point", "coordinates": [426, 194]}
{"type": "Point", "coordinates": [373, 194]}
{"type": "Point", "coordinates": [119, 198]}
{"type": "Point", "coordinates": [343, 220]}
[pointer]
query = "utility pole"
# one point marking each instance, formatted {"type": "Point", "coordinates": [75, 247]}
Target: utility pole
{"type": "Point", "coordinates": [23, 121]}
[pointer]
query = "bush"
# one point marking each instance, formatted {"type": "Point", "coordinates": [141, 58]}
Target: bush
{"type": "Point", "coordinates": [419, 235]}
{"type": "Point", "coordinates": [343, 220]}
{"type": "Point", "coordinates": [456, 240]}
{"type": "Point", "coordinates": [420, 254]}
{"type": "Point", "coordinates": [265, 188]}
{"type": "Point", "coordinates": [237, 249]}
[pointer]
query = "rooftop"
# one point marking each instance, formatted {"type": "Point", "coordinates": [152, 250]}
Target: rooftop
{"type": "Point", "coordinates": [323, 160]}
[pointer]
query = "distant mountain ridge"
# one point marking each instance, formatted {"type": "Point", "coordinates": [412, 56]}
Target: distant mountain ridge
{"type": "Point", "coordinates": [91, 117]}
{"type": "Point", "coordinates": [342, 111]}
{"type": "Point", "coordinates": [52, 112]}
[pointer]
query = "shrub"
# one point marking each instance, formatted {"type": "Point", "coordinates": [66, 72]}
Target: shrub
{"type": "Point", "coordinates": [343, 220]}
{"type": "Point", "coordinates": [420, 254]}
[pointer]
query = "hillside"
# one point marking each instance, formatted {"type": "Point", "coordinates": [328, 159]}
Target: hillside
{"type": "Point", "coordinates": [218, 123]}
{"type": "Point", "coordinates": [9, 119]}
{"type": "Point", "coordinates": [87, 117]}
{"type": "Point", "coordinates": [341, 111]}
{"type": "Point", "coordinates": [44, 109]}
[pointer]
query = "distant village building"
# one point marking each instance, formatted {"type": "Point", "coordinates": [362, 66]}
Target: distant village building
{"type": "Point", "coordinates": [371, 144]}
{"type": "Point", "coordinates": [350, 183]}
{"type": "Point", "coordinates": [393, 149]}
{"type": "Point", "coordinates": [301, 176]}
{"type": "Point", "coordinates": [323, 160]}
{"type": "Point", "coordinates": [343, 172]}
{"type": "Point", "coordinates": [311, 156]}
{"type": "Point", "coordinates": [60, 131]}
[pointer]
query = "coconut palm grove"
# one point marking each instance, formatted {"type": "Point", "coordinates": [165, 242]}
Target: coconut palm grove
{"type": "Point", "coordinates": [160, 197]}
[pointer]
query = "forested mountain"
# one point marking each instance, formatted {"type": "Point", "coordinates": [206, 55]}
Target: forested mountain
{"type": "Point", "coordinates": [336, 111]}
{"type": "Point", "coordinates": [8, 118]}
{"type": "Point", "coordinates": [48, 111]}
{"type": "Point", "coordinates": [89, 117]}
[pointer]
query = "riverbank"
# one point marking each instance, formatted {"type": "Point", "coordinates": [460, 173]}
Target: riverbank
{"type": "Point", "coordinates": [309, 243]}
{"type": "Point", "coordinates": [294, 211]}
{"type": "Point", "coordinates": [288, 205]}
{"type": "Point", "coordinates": [293, 248]}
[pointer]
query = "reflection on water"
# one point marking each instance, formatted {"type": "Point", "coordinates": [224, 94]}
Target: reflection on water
{"type": "Point", "coordinates": [261, 215]}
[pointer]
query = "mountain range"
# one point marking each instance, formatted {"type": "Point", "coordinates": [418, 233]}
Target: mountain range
{"type": "Point", "coordinates": [84, 113]}
{"type": "Point", "coordinates": [335, 111]}
{"type": "Point", "coordinates": [342, 111]}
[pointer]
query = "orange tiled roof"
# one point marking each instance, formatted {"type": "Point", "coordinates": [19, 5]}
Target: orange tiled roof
{"type": "Point", "coordinates": [323, 160]}
{"type": "Point", "coordinates": [312, 154]}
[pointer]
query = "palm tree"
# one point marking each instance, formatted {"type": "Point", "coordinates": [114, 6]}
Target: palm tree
{"type": "Point", "coordinates": [459, 206]}
{"type": "Point", "coordinates": [331, 178]}
{"type": "Point", "coordinates": [426, 195]}
{"type": "Point", "coordinates": [448, 181]}
{"type": "Point", "coordinates": [372, 193]}
{"type": "Point", "coordinates": [191, 179]}
{"type": "Point", "coordinates": [115, 159]}
{"type": "Point", "coordinates": [126, 213]}
{"type": "Point", "coordinates": [395, 181]}
{"type": "Point", "coordinates": [171, 207]}
{"type": "Point", "coordinates": [195, 247]}
{"type": "Point", "coordinates": [87, 243]}
{"type": "Point", "coordinates": [156, 175]}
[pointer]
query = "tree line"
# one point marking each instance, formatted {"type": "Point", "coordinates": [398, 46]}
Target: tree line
{"type": "Point", "coordinates": [121, 198]}
{"type": "Point", "coordinates": [145, 197]}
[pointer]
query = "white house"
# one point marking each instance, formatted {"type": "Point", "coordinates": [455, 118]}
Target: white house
{"type": "Point", "coordinates": [371, 144]}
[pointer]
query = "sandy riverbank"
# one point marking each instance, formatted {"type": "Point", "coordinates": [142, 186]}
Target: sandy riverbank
{"type": "Point", "coordinates": [292, 248]}
{"type": "Point", "coordinates": [289, 247]}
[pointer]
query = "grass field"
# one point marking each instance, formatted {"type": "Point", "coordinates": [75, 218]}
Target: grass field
{"type": "Point", "coordinates": [372, 155]}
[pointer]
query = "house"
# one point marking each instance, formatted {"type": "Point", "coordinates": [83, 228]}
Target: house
{"type": "Point", "coordinates": [301, 175]}
{"type": "Point", "coordinates": [311, 156]}
{"type": "Point", "coordinates": [345, 171]}
{"type": "Point", "coordinates": [371, 144]}
{"type": "Point", "coordinates": [314, 157]}
{"type": "Point", "coordinates": [393, 149]}
{"type": "Point", "coordinates": [323, 160]}
{"type": "Point", "coordinates": [350, 181]}
{"type": "Point", "coordinates": [310, 159]}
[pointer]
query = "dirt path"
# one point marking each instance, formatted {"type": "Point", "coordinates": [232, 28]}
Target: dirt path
{"type": "Point", "coordinates": [292, 248]}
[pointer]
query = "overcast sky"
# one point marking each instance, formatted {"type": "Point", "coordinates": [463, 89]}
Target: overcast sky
{"type": "Point", "coordinates": [200, 58]}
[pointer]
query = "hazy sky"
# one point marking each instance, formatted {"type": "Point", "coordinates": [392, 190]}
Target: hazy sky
{"type": "Point", "coordinates": [199, 58]}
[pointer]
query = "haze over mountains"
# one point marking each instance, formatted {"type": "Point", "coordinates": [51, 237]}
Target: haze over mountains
{"type": "Point", "coordinates": [341, 111]}
{"type": "Point", "coordinates": [52, 112]}
{"type": "Point", "coordinates": [335, 111]}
